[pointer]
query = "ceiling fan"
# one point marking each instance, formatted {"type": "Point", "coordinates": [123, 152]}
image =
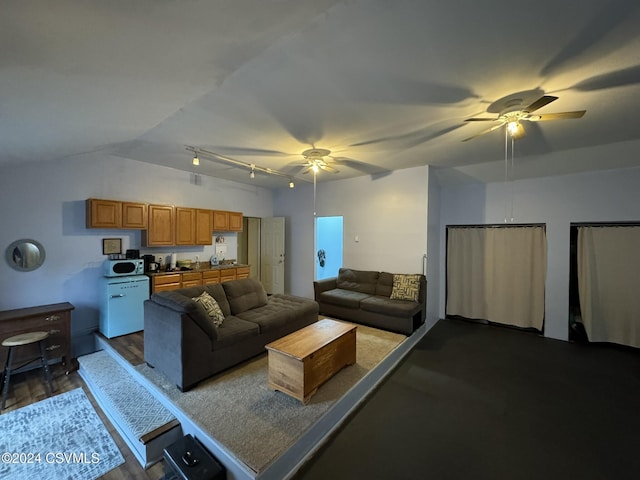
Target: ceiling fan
{"type": "Point", "coordinates": [512, 111]}
{"type": "Point", "coordinates": [315, 161]}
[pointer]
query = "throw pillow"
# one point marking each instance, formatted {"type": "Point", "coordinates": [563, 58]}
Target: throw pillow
{"type": "Point", "coordinates": [405, 287]}
{"type": "Point", "coordinates": [211, 306]}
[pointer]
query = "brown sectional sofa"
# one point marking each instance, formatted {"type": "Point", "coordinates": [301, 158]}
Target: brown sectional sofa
{"type": "Point", "coordinates": [363, 296]}
{"type": "Point", "coordinates": [181, 341]}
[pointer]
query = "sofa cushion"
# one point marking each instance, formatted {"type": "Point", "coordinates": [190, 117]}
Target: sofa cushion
{"type": "Point", "coordinates": [405, 287]}
{"type": "Point", "coordinates": [363, 281]}
{"type": "Point", "coordinates": [387, 306]}
{"type": "Point", "coordinates": [211, 306]}
{"type": "Point", "coordinates": [343, 298]}
{"type": "Point", "coordinates": [215, 290]}
{"type": "Point", "coordinates": [279, 310]}
{"type": "Point", "coordinates": [179, 303]}
{"type": "Point", "coordinates": [385, 284]}
{"type": "Point", "coordinates": [244, 294]}
{"type": "Point", "coordinates": [233, 331]}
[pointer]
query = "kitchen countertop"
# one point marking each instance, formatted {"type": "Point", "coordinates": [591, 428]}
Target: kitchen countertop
{"type": "Point", "coordinates": [205, 268]}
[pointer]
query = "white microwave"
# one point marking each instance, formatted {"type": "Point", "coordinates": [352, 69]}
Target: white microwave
{"type": "Point", "coordinates": [120, 268]}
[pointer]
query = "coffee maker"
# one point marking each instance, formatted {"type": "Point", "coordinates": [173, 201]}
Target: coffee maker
{"type": "Point", "coordinates": [150, 264]}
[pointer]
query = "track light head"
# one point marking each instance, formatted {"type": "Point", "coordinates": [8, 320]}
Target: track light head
{"type": "Point", "coordinates": [196, 160]}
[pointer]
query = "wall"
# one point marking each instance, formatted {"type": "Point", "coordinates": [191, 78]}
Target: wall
{"type": "Point", "coordinates": [46, 202]}
{"type": "Point", "coordinates": [611, 195]}
{"type": "Point", "coordinates": [388, 215]}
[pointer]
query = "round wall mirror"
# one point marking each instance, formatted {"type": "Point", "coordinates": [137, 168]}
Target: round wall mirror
{"type": "Point", "coordinates": [25, 255]}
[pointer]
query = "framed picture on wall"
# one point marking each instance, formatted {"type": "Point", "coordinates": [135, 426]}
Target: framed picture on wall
{"type": "Point", "coordinates": [111, 246]}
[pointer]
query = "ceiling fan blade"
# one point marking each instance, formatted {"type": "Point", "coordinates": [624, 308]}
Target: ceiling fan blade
{"type": "Point", "coordinates": [541, 102]}
{"type": "Point", "coordinates": [327, 168]}
{"type": "Point", "coordinates": [556, 116]}
{"type": "Point", "coordinates": [488, 130]}
{"type": "Point", "coordinates": [249, 151]}
{"type": "Point", "coordinates": [477, 119]}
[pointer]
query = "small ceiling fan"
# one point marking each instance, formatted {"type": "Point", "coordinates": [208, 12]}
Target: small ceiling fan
{"type": "Point", "coordinates": [512, 111]}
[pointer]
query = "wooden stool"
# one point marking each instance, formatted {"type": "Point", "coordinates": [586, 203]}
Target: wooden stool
{"type": "Point", "coordinates": [19, 341]}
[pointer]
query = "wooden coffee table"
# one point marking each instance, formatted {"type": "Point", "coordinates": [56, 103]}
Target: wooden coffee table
{"type": "Point", "coordinates": [302, 361]}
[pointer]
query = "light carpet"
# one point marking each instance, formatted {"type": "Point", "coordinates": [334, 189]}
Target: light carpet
{"type": "Point", "coordinates": [59, 438]}
{"type": "Point", "coordinates": [255, 424]}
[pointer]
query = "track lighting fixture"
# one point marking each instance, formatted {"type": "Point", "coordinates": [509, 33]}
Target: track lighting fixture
{"type": "Point", "coordinates": [251, 166]}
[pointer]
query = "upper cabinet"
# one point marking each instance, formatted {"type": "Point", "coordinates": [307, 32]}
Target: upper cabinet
{"type": "Point", "coordinates": [185, 226]}
{"type": "Point", "coordinates": [204, 227]}
{"type": "Point", "coordinates": [160, 230]}
{"type": "Point", "coordinates": [220, 221]}
{"type": "Point", "coordinates": [115, 214]}
{"type": "Point", "coordinates": [224, 221]}
{"type": "Point", "coordinates": [134, 215]}
{"type": "Point", "coordinates": [235, 221]}
{"type": "Point", "coordinates": [162, 225]}
{"type": "Point", "coordinates": [103, 213]}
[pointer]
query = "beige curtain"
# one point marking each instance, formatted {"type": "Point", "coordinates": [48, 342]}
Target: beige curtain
{"type": "Point", "coordinates": [609, 283]}
{"type": "Point", "coordinates": [497, 274]}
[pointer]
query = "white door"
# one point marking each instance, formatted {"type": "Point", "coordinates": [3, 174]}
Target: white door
{"type": "Point", "coordinates": [272, 254]}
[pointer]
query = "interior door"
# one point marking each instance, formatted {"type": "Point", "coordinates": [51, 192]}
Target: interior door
{"type": "Point", "coordinates": [272, 254]}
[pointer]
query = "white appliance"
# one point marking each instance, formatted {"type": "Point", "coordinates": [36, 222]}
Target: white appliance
{"type": "Point", "coordinates": [122, 304]}
{"type": "Point", "coordinates": [122, 268]}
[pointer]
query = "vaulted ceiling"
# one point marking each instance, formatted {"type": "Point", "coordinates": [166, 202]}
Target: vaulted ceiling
{"type": "Point", "coordinates": [382, 84]}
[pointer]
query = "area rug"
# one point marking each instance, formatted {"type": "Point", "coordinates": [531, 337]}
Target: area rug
{"type": "Point", "coordinates": [59, 438]}
{"type": "Point", "coordinates": [255, 424]}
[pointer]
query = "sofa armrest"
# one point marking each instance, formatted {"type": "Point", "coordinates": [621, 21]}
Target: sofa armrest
{"type": "Point", "coordinates": [323, 285]}
{"type": "Point", "coordinates": [173, 302]}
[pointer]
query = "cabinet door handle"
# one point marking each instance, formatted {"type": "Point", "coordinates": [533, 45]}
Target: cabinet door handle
{"type": "Point", "coordinates": [119, 295]}
{"type": "Point", "coordinates": [53, 347]}
{"type": "Point", "coordinates": [52, 318]}
{"type": "Point", "coordinates": [54, 331]}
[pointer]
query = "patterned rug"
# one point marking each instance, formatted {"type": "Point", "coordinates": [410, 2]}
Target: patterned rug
{"type": "Point", "coordinates": [59, 438]}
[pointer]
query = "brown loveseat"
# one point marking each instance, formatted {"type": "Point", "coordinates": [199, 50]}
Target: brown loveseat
{"type": "Point", "coordinates": [365, 297]}
{"type": "Point", "coordinates": [182, 342]}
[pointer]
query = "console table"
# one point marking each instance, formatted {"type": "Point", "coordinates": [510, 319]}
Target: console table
{"type": "Point", "coordinates": [54, 319]}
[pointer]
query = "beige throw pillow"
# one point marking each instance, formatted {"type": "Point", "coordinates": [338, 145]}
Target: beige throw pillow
{"type": "Point", "coordinates": [405, 287]}
{"type": "Point", "coordinates": [211, 306]}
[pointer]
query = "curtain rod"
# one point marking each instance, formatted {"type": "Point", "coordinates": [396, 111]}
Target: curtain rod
{"type": "Point", "coordinates": [501, 225]}
{"type": "Point", "coordinates": [606, 224]}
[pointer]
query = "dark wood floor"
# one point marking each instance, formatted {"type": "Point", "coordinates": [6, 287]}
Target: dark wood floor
{"type": "Point", "coordinates": [29, 387]}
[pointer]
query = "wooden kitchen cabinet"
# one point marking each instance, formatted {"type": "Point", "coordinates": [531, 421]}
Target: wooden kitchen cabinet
{"type": "Point", "coordinates": [235, 221]}
{"type": "Point", "coordinates": [185, 226]}
{"type": "Point", "coordinates": [210, 277]}
{"type": "Point", "coordinates": [103, 213]}
{"type": "Point", "coordinates": [191, 279]}
{"type": "Point", "coordinates": [227, 274]}
{"type": "Point", "coordinates": [220, 221]}
{"type": "Point", "coordinates": [242, 272]}
{"type": "Point", "coordinates": [134, 215]}
{"type": "Point", "coordinates": [160, 230]}
{"type": "Point", "coordinates": [204, 227]}
{"type": "Point", "coordinates": [170, 281]}
{"type": "Point", "coordinates": [54, 319]}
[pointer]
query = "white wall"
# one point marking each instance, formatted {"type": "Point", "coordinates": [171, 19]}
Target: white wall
{"type": "Point", "coordinates": [46, 202]}
{"type": "Point", "coordinates": [612, 195]}
{"type": "Point", "coordinates": [388, 214]}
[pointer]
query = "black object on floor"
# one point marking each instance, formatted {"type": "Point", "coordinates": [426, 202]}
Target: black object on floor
{"type": "Point", "coordinates": [475, 401]}
{"type": "Point", "coordinates": [187, 459]}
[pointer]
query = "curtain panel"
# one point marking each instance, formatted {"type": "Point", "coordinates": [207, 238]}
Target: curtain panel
{"type": "Point", "coordinates": [497, 274]}
{"type": "Point", "coordinates": [609, 283]}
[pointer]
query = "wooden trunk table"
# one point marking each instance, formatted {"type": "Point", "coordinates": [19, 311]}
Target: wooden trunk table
{"type": "Point", "coordinates": [302, 361]}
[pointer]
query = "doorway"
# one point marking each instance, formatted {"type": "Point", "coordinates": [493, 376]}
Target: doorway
{"type": "Point", "coordinates": [329, 246]}
{"type": "Point", "coordinates": [261, 246]}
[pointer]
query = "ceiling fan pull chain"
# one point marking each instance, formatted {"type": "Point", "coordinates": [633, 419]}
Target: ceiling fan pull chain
{"type": "Point", "coordinates": [512, 179]}
{"type": "Point", "coordinates": [506, 172]}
